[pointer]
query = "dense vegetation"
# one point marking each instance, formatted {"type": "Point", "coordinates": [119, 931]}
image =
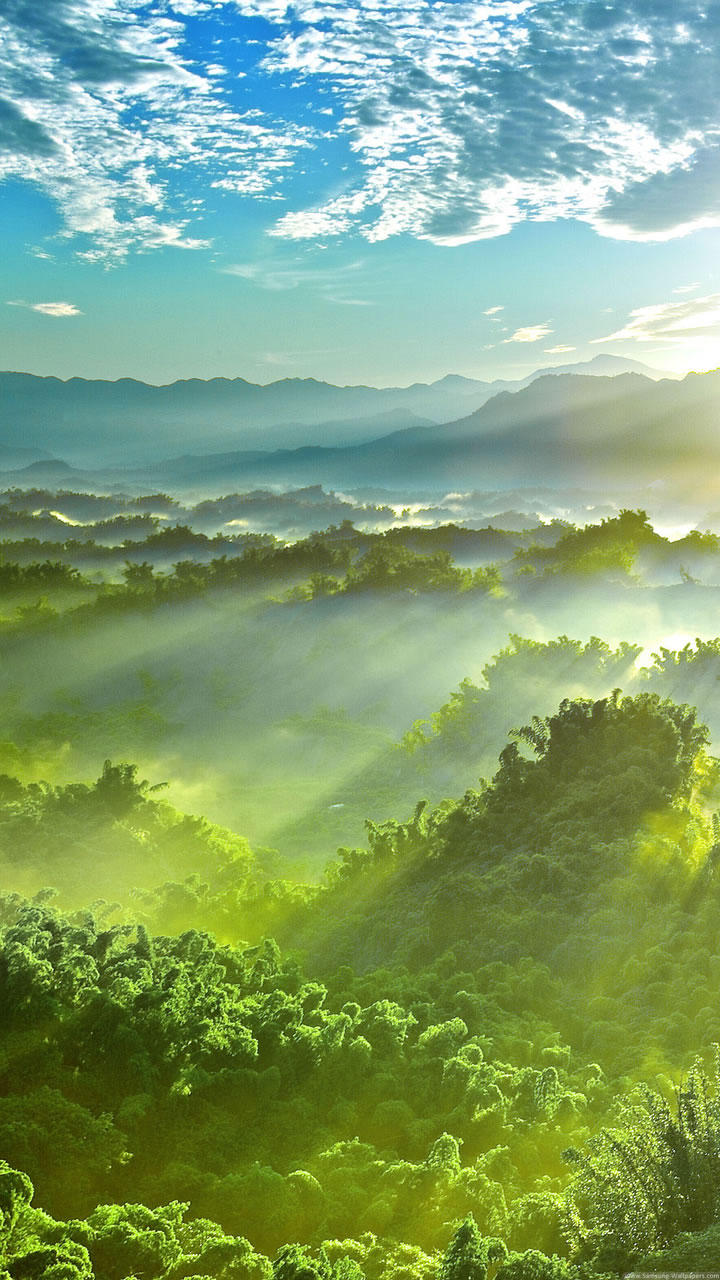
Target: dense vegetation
{"type": "Point", "coordinates": [478, 1044]}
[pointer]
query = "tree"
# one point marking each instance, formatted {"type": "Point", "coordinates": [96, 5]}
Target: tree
{"type": "Point", "coordinates": [16, 1191]}
{"type": "Point", "coordinates": [642, 1186]}
{"type": "Point", "coordinates": [445, 1154]}
{"type": "Point", "coordinates": [533, 1265]}
{"type": "Point", "coordinates": [468, 1256]}
{"type": "Point", "coordinates": [295, 1262]}
{"type": "Point", "coordinates": [139, 577]}
{"type": "Point", "coordinates": [120, 789]}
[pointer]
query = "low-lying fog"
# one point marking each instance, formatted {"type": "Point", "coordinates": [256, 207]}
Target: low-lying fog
{"type": "Point", "coordinates": [280, 717]}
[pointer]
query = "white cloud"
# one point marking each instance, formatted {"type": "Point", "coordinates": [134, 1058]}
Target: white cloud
{"type": "Point", "coordinates": [462, 117]}
{"type": "Point", "coordinates": [337, 217]}
{"type": "Point", "coordinates": [671, 322]}
{"type": "Point", "coordinates": [686, 333]}
{"type": "Point", "coordinates": [57, 309]}
{"type": "Point", "coordinates": [191, 8]}
{"type": "Point", "coordinates": [468, 117]}
{"type": "Point", "coordinates": [531, 333]}
{"type": "Point", "coordinates": [558, 351]}
{"type": "Point", "coordinates": [687, 288]}
{"type": "Point", "coordinates": [100, 110]}
{"type": "Point", "coordinates": [341, 301]}
{"type": "Point", "coordinates": [674, 200]}
{"type": "Point", "coordinates": [491, 311]}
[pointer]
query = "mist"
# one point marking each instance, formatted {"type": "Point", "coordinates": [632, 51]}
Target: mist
{"type": "Point", "coordinates": [277, 711]}
{"type": "Point", "coordinates": [370, 819]}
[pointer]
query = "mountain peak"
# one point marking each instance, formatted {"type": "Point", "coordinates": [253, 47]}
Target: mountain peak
{"type": "Point", "coordinates": [457, 380]}
{"type": "Point", "coordinates": [605, 365]}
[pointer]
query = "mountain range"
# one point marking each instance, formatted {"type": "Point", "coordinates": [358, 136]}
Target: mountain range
{"type": "Point", "coordinates": [564, 429]}
{"type": "Point", "coordinates": [560, 430]}
{"type": "Point", "coordinates": [89, 423]}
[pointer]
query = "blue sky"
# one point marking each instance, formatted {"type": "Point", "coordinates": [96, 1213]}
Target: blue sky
{"type": "Point", "coordinates": [373, 192]}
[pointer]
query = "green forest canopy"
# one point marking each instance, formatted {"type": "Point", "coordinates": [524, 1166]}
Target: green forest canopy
{"type": "Point", "coordinates": [479, 1045]}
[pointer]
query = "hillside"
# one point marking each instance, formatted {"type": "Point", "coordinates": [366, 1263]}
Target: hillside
{"type": "Point", "coordinates": [426, 1054]}
{"type": "Point", "coordinates": [348, 933]}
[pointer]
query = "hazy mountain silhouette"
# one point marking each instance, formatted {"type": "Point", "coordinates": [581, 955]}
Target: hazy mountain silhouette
{"type": "Point", "coordinates": [48, 473]}
{"type": "Point", "coordinates": [91, 422]}
{"type": "Point", "coordinates": [560, 430]}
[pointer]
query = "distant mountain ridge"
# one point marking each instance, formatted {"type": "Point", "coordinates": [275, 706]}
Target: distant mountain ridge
{"type": "Point", "coordinates": [561, 430]}
{"type": "Point", "coordinates": [98, 422]}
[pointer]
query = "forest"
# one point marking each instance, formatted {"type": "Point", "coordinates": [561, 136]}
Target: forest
{"type": "Point", "coordinates": [361, 875]}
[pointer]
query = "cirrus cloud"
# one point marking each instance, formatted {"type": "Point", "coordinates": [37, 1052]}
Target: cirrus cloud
{"type": "Point", "coordinates": [679, 323]}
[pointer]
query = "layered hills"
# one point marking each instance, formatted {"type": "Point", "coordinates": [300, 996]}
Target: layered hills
{"type": "Point", "coordinates": [562, 430]}
{"type": "Point", "coordinates": [86, 422]}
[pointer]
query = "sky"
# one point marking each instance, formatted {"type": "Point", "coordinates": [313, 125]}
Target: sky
{"type": "Point", "coordinates": [375, 192]}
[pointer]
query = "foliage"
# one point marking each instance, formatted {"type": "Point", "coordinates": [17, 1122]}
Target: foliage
{"type": "Point", "coordinates": [216, 1065]}
{"type": "Point", "coordinates": [659, 1176]}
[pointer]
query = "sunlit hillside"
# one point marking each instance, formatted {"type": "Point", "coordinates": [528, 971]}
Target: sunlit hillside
{"type": "Point", "coordinates": [360, 888]}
